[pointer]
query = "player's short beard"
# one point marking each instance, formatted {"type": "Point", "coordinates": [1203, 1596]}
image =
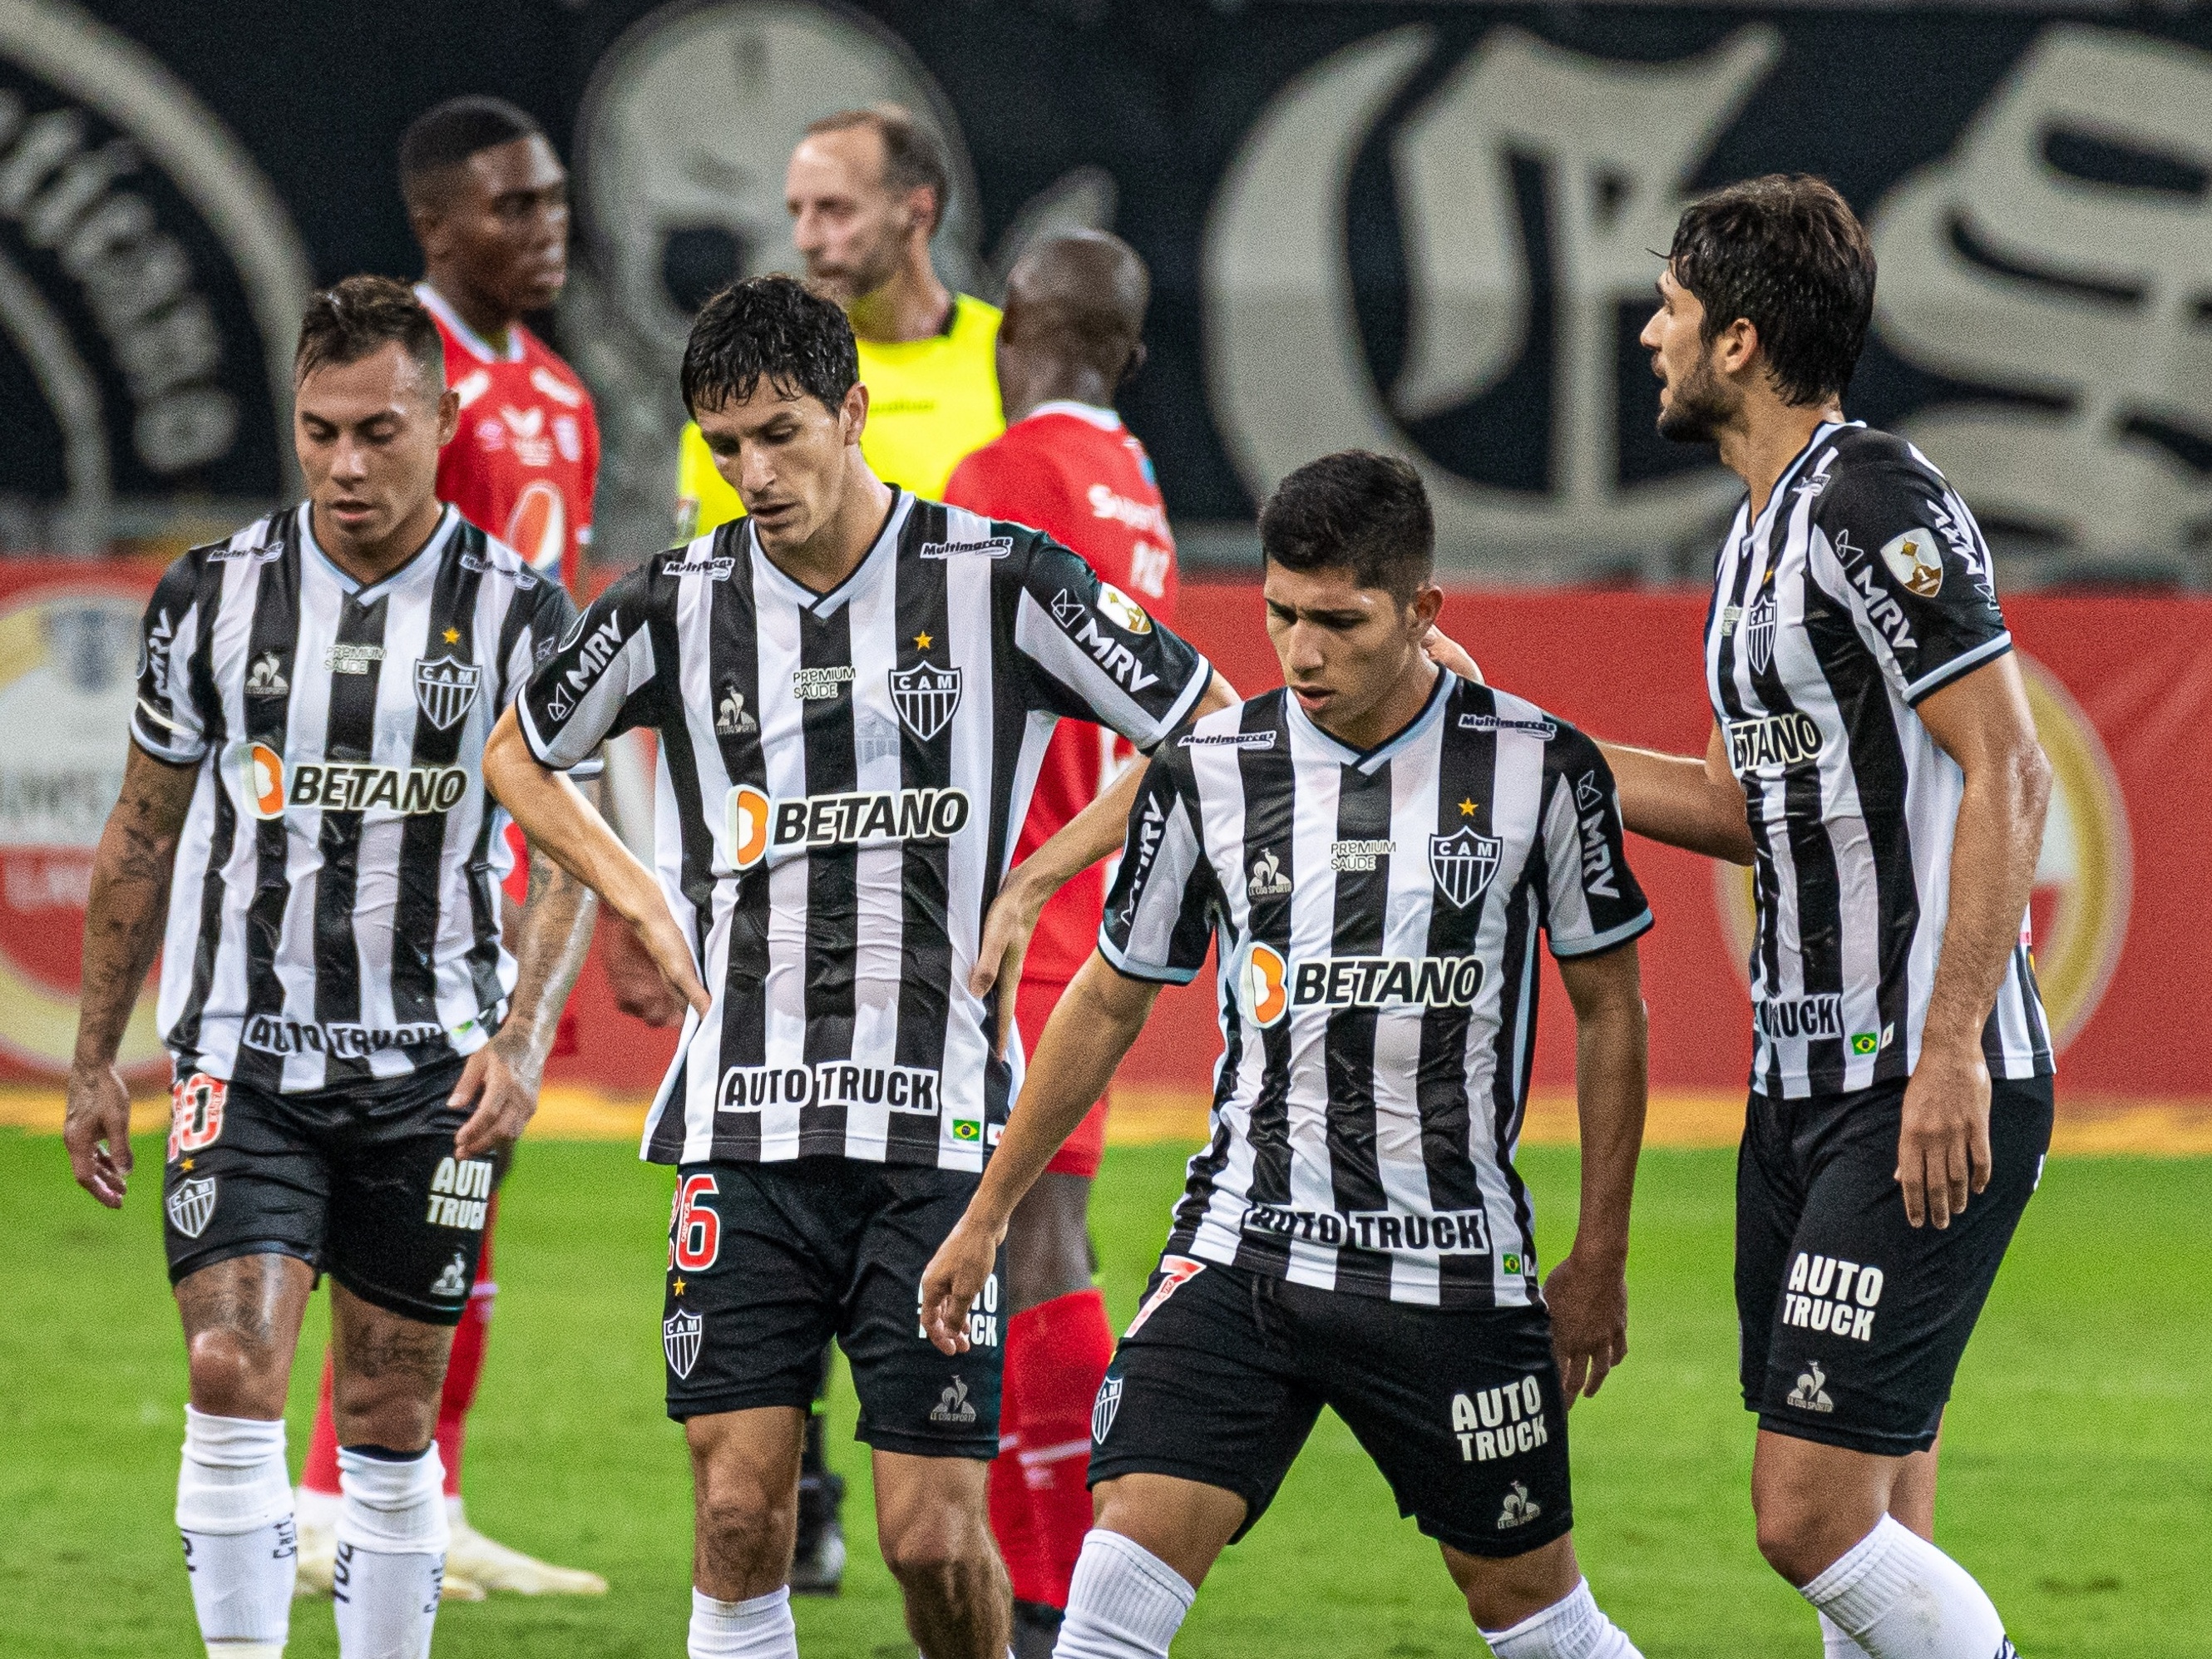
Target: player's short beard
{"type": "Point", "coordinates": [851, 283]}
{"type": "Point", "coordinates": [1697, 407]}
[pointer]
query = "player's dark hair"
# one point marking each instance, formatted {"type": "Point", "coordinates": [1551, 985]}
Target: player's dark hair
{"type": "Point", "coordinates": [912, 157]}
{"type": "Point", "coordinates": [348, 320]}
{"type": "Point", "coordinates": [1355, 511]}
{"type": "Point", "coordinates": [773, 329]}
{"type": "Point", "coordinates": [1786, 254]}
{"type": "Point", "coordinates": [441, 139]}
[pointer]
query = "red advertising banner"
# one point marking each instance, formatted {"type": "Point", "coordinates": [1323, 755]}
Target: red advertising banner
{"type": "Point", "coordinates": [2120, 686]}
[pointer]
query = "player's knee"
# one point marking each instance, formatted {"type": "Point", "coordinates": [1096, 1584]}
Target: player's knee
{"type": "Point", "coordinates": [742, 1522]}
{"type": "Point", "coordinates": [1789, 1536]}
{"type": "Point", "coordinates": [935, 1545]}
{"type": "Point", "coordinates": [232, 1376]}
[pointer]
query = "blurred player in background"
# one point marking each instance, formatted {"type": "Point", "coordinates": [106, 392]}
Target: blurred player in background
{"type": "Point", "coordinates": [1874, 758]}
{"type": "Point", "coordinates": [1072, 335]}
{"type": "Point", "coordinates": [355, 1046]}
{"type": "Point", "coordinates": [488, 201]}
{"type": "Point", "coordinates": [867, 190]}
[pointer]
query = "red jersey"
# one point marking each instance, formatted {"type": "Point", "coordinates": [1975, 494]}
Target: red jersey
{"type": "Point", "coordinates": [1077, 474]}
{"type": "Point", "coordinates": [523, 464]}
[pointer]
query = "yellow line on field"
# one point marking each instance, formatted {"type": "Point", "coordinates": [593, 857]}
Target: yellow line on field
{"type": "Point", "coordinates": [1679, 1117]}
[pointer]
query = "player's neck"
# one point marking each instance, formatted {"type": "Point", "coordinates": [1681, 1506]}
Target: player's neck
{"type": "Point", "coordinates": [1760, 446]}
{"type": "Point", "coordinates": [370, 563]}
{"type": "Point", "coordinates": [1027, 387]}
{"type": "Point", "coordinates": [913, 306]}
{"type": "Point", "coordinates": [487, 318]}
{"type": "Point", "coordinates": [835, 552]}
{"type": "Point", "coordinates": [1397, 710]}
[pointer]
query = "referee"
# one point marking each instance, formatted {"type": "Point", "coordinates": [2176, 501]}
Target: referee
{"type": "Point", "coordinates": [1873, 759]}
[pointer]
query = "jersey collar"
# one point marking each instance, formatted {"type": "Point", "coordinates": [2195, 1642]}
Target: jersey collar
{"type": "Point", "coordinates": [471, 342]}
{"type": "Point", "coordinates": [1304, 731]}
{"type": "Point", "coordinates": [1821, 434]}
{"type": "Point", "coordinates": [425, 557]}
{"type": "Point", "coordinates": [880, 557]}
{"type": "Point", "coordinates": [1105, 419]}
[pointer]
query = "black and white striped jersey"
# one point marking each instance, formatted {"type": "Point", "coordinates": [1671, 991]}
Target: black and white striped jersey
{"type": "Point", "coordinates": [1376, 916]}
{"type": "Point", "coordinates": [334, 915]}
{"type": "Point", "coordinates": [841, 780]}
{"type": "Point", "coordinates": [1864, 587]}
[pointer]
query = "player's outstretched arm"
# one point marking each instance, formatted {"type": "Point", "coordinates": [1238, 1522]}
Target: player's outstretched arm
{"type": "Point", "coordinates": [1682, 800]}
{"type": "Point", "coordinates": [1981, 720]}
{"type": "Point", "coordinates": [499, 1085]}
{"type": "Point", "coordinates": [123, 919]}
{"type": "Point", "coordinates": [556, 818]}
{"type": "Point", "coordinates": [1097, 1019]}
{"type": "Point", "coordinates": [1589, 1291]}
{"type": "Point", "coordinates": [1088, 836]}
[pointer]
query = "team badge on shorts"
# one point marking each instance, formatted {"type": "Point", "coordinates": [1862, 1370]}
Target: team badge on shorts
{"type": "Point", "coordinates": [1103, 1409]}
{"type": "Point", "coordinates": [679, 1340]}
{"type": "Point", "coordinates": [1463, 863]}
{"type": "Point", "coordinates": [190, 1205]}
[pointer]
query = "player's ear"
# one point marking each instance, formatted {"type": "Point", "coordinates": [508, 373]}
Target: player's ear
{"type": "Point", "coordinates": [449, 416]}
{"type": "Point", "coordinates": [1136, 361]}
{"type": "Point", "coordinates": [1428, 605]}
{"type": "Point", "coordinates": [1736, 346]}
{"type": "Point", "coordinates": [853, 416]}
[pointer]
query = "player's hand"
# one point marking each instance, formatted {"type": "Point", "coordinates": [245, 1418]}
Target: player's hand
{"type": "Point", "coordinates": [97, 1132]}
{"type": "Point", "coordinates": [504, 1099]}
{"type": "Point", "coordinates": [1588, 1300]}
{"type": "Point", "coordinates": [1448, 652]}
{"type": "Point", "coordinates": [1006, 933]}
{"type": "Point", "coordinates": [664, 943]}
{"type": "Point", "coordinates": [1943, 1144]}
{"type": "Point", "coordinates": [635, 977]}
{"type": "Point", "coordinates": [953, 1280]}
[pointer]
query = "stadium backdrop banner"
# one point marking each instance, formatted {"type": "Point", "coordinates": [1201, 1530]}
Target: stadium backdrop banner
{"type": "Point", "coordinates": [2122, 690]}
{"type": "Point", "coordinates": [1425, 227]}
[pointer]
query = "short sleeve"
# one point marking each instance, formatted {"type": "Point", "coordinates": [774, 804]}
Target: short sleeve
{"type": "Point", "coordinates": [600, 678]}
{"type": "Point", "coordinates": [542, 615]}
{"type": "Point", "coordinates": [1160, 917]}
{"type": "Point", "coordinates": [1591, 900]}
{"type": "Point", "coordinates": [1092, 653]}
{"type": "Point", "coordinates": [166, 723]}
{"type": "Point", "coordinates": [1916, 572]}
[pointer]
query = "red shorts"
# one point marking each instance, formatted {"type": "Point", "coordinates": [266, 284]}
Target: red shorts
{"type": "Point", "coordinates": [1080, 1154]}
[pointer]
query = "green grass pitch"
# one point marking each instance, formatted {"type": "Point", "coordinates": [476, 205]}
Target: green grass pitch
{"type": "Point", "coordinates": [2077, 1467]}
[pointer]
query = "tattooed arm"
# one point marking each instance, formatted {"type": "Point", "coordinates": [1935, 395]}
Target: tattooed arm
{"type": "Point", "coordinates": [550, 935]}
{"type": "Point", "coordinates": [123, 926]}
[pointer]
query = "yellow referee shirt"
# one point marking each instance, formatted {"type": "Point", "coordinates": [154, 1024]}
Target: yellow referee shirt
{"type": "Point", "coordinates": [931, 404]}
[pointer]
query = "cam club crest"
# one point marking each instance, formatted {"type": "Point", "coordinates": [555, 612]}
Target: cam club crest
{"type": "Point", "coordinates": [1106, 1407]}
{"type": "Point", "coordinates": [925, 696]}
{"type": "Point", "coordinates": [444, 689]}
{"type": "Point", "coordinates": [679, 1340]}
{"type": "Point", "coordinates": [1463, 863]}
{"type": "Point", "coordinates": [191, 1204]}
{"type": "Point", "coordinates": [1759, 634]}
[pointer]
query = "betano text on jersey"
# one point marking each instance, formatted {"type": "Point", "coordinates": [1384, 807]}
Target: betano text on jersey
{"type": "Point", "coordinates": [1863, 588]}
{"type": "Point", "coordinates": [334, 915]}
{"type": "Point", "coordinates": [841, 776]}
{"type": "Point", "coordinates": [1377, 915]}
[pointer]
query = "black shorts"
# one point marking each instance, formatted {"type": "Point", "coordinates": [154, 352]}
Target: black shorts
{"type": "Point", "coordinates": [1221, 1375]}
{"type": "Point", "coordinates": [767, 1262]}
{"type": "Point", "coordinates": [1852, 1319]}
{"type": "Point", "coordinates": [361, 1182]}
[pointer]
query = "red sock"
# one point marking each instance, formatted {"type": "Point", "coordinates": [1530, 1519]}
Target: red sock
{"type": "Point", "coordinates": [1056, 1357]}
{"type": "Point", "coordinates": [1011, 1522]}
{"type": "Point", "coordinates": [320, 1473]}
{"type": "Point", "coordinates": [466, 1363]}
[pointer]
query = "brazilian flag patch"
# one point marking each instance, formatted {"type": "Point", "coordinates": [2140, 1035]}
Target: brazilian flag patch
{"type": "Point", "coordinates": [967, 1128]}
{"type": "Point", "coordinates": [1865, 1043]}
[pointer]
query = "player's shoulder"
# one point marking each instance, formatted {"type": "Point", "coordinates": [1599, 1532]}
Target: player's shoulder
{"type": "Point", "coordinates": [712, 556]}
{"type": "Point", "coordinates": [1863, 464]}
{"type": "Point", "coordinates": [938, 533]}
{"type": "Point", "coordinates": [1490, 712]}
{"type": "Point", "coordinates": [483, 554]}
{"type": "Point", "coordinates": [972, 316]}
{"type": "Point", "coordinates": [550, 374]}
{"type": "Point", "coordinates": [1255, 725]}
{"type": "Point", "coordinates": [259, 542]}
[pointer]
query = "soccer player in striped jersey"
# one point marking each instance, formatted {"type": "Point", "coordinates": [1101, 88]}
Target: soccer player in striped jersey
{"type": "Point", "coordinates": [1375, 850]}
{"type": "Point", "coordinates": [488, 200]}
{"type": "Point", "coordinates": [852, 689]}
{"type": "Point", "coordinates": [355, 1046]}
{"type": "Point", "coordinates": [1873, 759]}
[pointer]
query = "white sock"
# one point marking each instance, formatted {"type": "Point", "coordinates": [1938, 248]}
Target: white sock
{"type": "Point", "coordinates": [315, 1508]}
{"type": "Point", "coordinates": [234, 1509]}
{"type": "Point", "coordinates": [1834, 1645]}
{"type": "Point", "coordinates": [1899, 1597]}
{"type": "Point", "coordinates": [1573, 1628]}
{"type": "Point", "coordinates": [391, 1535]}
{"type": "Point", "coordinates": [759, 1629]}
{"type": "Point", "coordinates": [1124, 1603]}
